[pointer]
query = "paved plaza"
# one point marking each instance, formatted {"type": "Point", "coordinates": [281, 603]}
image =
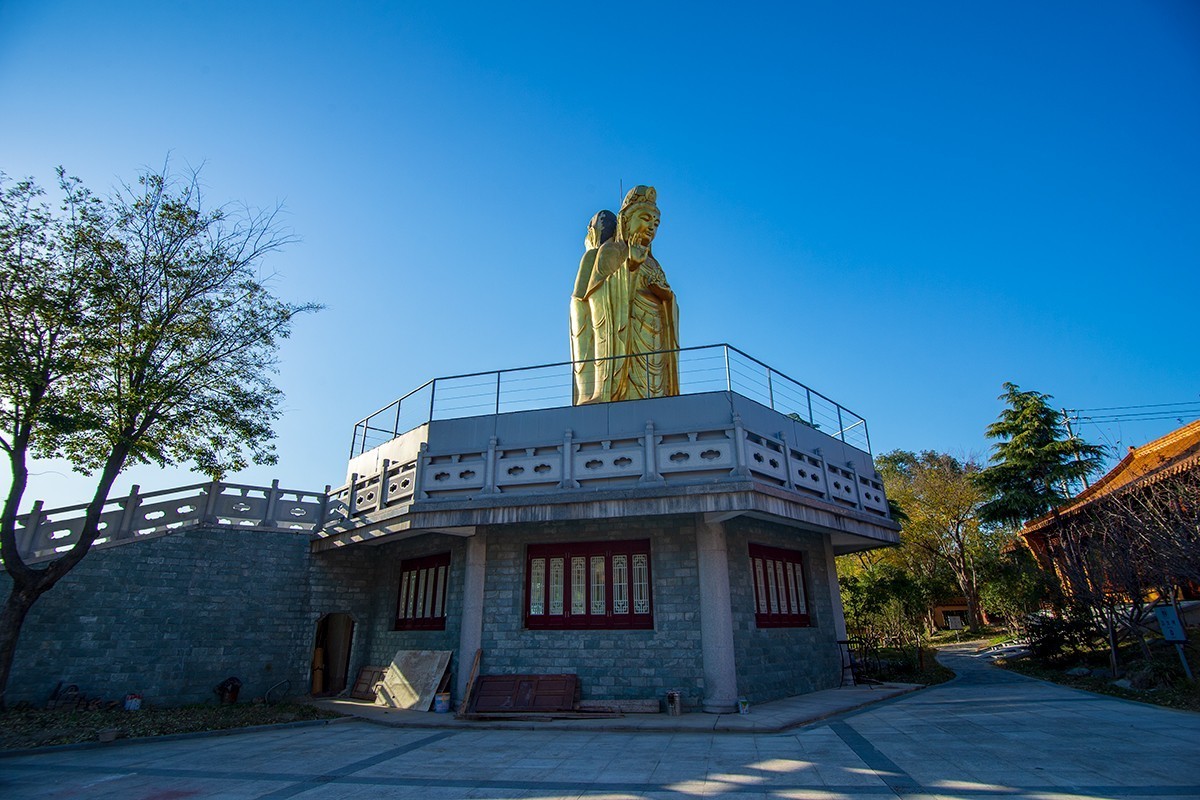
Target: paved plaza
{"type": "Point", "coordinates": [988, 734]}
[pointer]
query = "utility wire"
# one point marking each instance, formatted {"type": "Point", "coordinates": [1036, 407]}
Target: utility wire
{"type": "Point", "coordinates": [1144, 405]}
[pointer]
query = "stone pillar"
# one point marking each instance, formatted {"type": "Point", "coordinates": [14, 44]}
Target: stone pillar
{"type": "Point", "coordinates": [470, 636]}
{"type": "Point", "coordinates": [716, 618]}
{"type": "Point", "coordinates": [835, 592]}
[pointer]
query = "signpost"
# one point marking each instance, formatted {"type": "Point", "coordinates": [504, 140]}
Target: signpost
{"type": "Point", "coordinates": [1172, 631]}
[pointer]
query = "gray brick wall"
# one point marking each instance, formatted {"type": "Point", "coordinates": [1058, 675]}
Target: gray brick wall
{"type": "Point", "coordinates": [172, 617]}
{"type": "Point", "coordinates": [383, 641]}
{"type": "Point", "coordinates": [342, 581]}
{"type": "Point", "coordinates": [611, 664]}
{"type": "Point", "coordinates": [781, 662]}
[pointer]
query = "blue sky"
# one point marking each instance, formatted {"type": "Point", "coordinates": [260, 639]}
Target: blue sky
{"type": "Point", "coordinates": [901, 204]}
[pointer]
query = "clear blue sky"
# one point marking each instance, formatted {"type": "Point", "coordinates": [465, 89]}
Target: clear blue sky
{"type": "Point", "coordinates": [945, 196]}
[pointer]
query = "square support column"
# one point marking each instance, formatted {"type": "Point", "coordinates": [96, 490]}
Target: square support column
{"type": "Point", "coordinates": [470, 635]}
{"type": "Point", "coordinates": [835, 592]}
{"type": "Point", "coordinates": [716, 618]}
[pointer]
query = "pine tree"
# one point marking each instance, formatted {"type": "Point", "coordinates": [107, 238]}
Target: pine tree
{"type": "Point", "coordinates": [1035, 462]}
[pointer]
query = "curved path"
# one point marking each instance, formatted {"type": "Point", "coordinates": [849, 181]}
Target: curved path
{"type": "Point", "coordinates": [987, 734]}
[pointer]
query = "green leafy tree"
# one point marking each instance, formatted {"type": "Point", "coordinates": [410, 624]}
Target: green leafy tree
{"type": "Point", "coordinates": [941, 500]}
{"type": "Point", "coordinates": [1015, 587]}
{"type": "Point", "coordinates": [1035, 462]}
{"type": "Point", "coordinates": [133, 329]}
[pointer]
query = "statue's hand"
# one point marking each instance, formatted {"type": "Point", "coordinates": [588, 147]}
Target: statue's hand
{"type": "Point", "coordinates": [637, 255]}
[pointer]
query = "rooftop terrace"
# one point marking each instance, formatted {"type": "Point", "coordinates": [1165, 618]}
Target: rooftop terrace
{"type": "Point", "coordinates": [719, 367]}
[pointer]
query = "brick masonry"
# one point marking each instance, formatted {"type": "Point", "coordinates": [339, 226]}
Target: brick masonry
{"type": "Point", "coordinates": [173, 616]}
{"type": "Point", "coordinates": [781, 662]}
{"type": "Point", "coordinates": [611, 664]}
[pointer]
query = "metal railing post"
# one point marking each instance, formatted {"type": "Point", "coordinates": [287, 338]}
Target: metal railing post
{"type": "Point", "coordinates": [432, 398]}
{"type": "Point", "coordinates": [498, 391]}
{"type": "Point", "coordinates": [808, 393]}
{"type": "Point", "coordinates": [841, 428]}
{"type": "Point", "coordinates": [728, 374]}
{"type": "Point", "coordinates": [770, 389]}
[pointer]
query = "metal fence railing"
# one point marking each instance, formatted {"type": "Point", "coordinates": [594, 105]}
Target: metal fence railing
{"type": "Point", "coordinates": [710, 368]}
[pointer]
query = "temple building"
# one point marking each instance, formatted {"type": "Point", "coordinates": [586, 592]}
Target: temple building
{"type": "Point", "coordinates": [647, 517]}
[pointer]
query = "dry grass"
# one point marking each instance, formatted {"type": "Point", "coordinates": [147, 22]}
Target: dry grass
{"type": "Point", "coordinates": [38, 728]}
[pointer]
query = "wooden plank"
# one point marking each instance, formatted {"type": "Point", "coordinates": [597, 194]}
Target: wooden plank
{"type": "Point", "coordinates": [368, 677]}
{"type": "Point", "coordinates": [412, 679]}
{"type": "Point", "coordinates": [522, 693]}
{"type": "Point", "coordinates": [466, 698]}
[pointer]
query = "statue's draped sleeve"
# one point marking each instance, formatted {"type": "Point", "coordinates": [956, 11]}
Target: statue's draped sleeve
{"type": "Point", "coordinates": [582, 341]}
{"type": "Point", "coordinates": [609, 296]}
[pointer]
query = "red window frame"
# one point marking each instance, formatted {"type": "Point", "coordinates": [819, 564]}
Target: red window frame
{"type": "Point", "coordinates": [546, 610]}
{"type": "Point", "coordinates": [780, 593]}
{"type": "Point", "coordinates": [421, 596]}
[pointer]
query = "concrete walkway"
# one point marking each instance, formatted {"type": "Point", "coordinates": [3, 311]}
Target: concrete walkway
{"type": "Point", "coordinates": [988, 734]}
{"type": "Point", "coordinates": [773, 717]}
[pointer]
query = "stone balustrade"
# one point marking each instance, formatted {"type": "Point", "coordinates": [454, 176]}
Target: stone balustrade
{"type": "Point", "coordinates": [42, 534]}
{"type": "Point", "coordinates": [565, 463]}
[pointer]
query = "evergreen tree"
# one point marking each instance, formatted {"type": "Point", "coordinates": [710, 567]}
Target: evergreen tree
{"type": "Point", "coordinates": [1035, 462]}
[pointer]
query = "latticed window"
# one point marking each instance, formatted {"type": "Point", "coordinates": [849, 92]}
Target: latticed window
{"type": "Point", "coordinates": [588, 585]}
{"type": "Point", "coordinates": [422, 602]}
{"type": "Point", "coordinates": [779, 595]}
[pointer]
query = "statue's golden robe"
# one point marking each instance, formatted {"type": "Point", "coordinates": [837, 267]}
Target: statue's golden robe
{"type": "Point", "coordinates": [631, 323]}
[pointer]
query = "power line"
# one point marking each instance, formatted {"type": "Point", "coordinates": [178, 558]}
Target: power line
{"type": "Point", "coordinates": [1139, 418]}
{"type": "Point", "coordinates": [1144, 405]}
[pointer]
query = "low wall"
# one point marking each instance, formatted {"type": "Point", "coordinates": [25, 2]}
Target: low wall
{"type": "Point", "coordinates": [172, 617]}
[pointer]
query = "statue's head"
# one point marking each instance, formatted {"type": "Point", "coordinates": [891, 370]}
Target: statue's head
{"type": "Point", "coordinates": [639, 217]}
{"type": "Point", "coordinates": [602, 228]}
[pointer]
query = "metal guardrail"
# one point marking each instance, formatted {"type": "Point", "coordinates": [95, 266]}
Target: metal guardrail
{"type": "Point", "coordinates": [710, 368]}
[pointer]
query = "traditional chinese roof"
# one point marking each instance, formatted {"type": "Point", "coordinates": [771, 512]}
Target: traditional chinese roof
{"type": "Point", "coordinates": [1168, 455]}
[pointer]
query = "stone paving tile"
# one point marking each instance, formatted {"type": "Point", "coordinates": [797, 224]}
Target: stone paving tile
{"type": "Point", "coordinates": [987, 735]}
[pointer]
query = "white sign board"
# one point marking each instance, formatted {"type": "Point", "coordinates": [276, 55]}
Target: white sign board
{"type": "Point", "coordinates": [1169, 624]}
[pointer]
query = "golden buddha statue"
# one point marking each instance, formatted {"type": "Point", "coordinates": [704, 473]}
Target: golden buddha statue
{"type": "Point", "coordinates": [632, 311]}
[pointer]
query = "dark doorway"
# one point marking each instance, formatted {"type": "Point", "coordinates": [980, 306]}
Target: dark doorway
{"type": "Point", "coordinates": [331, 654]}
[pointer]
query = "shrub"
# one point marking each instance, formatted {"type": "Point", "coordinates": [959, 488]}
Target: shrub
{"type": "Point", "coordinates": [1051, 637]}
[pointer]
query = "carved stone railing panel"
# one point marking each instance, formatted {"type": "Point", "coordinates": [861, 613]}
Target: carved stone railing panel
{"type": "Point", "coordinates": [696, 451]}
{"type": "Point", "coordinates": [765, 458]}
{"type": "Point", "coordinates": [871, 492]}
{"type": "Point", "coordinates": [608, 462]}
{"type": "Point", "coordinates": [530, 469]}
{"type": "Point", "coordinates": [453, 475]}
{"type": "Point", "coordinates": [240, 505]}
{"type": "Point", "coordinates": [807, 474]}
{"type": "Point", "coordinates": [842, 485]}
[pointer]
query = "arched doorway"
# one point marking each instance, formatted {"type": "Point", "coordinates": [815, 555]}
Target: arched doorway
{"type": "Point", "coordinates": [331, 654]}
